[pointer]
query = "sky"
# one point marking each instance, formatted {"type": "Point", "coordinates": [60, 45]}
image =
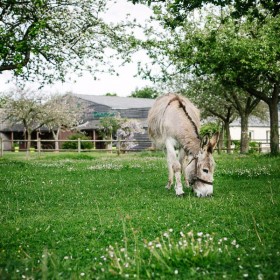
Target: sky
{"type": "Point", "coordinates": [122, 85]}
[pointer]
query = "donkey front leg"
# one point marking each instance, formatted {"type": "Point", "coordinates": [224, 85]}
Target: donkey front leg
{"type": "Point", "coordinates": [174, 167]}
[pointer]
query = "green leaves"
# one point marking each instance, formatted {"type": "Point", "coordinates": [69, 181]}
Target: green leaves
{"type": "Point", "coordinates": [45, 40]}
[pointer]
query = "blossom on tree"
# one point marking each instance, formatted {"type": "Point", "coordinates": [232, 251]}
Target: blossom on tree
{"type": "Point", "coordinates": [126, 133]}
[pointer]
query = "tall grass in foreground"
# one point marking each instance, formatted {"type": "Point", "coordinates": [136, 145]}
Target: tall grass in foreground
{"type": "Point", "coordinates": [94, 216]}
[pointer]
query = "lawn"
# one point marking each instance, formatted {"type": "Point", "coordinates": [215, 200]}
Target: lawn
{"type": "Point", "coordinates": [103, 216]}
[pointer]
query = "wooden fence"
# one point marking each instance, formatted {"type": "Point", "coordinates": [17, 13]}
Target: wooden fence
{"type": "Point", "coordinates": [40, 145]}
{"type": "Point", "coordinates": [113, 146]}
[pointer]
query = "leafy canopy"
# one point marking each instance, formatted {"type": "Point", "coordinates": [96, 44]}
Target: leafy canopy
{"type": "Point", "coordinates": [146, 92]}
{"type": "Point", "coordinates": [177, 9]}
{"type": "Point", "coordinates": [46, 39]}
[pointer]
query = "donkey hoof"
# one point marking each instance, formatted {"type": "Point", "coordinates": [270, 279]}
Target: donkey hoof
{"type": "Point", "coordinates": [168, 187]}
{"type": "Point", "coordinates": [180, 193]}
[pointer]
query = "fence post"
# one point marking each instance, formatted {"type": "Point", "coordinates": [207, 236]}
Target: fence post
{"type": "Point", "coordinates": [119, 146]}
{"type": "Point", "coordinates": [260, 147]}
{"type": "Point", "coordinates": [1, 147]}
{"type": "Point", "coordinates": [79, 145]}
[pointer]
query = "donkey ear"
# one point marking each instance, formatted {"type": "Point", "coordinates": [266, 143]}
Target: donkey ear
{"type": "Point", "coordinates": [204, 141]}
{"type": "Point", "coordinates": [213, 142]}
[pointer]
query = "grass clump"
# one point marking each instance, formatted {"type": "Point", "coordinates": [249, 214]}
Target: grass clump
{"type": "Point", "coordinates": [169, 256]}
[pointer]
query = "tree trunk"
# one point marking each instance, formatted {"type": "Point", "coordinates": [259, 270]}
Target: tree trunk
{"type": "Point", "coordinates": [28, 143]}
{"type": "Point", "coordinates": [272, 103]}
{"type": "Point", "coordinates": [55, 136]}
{"type": "Point", "coordinates": [221, 140]}
{"type": "Point", "coordinates": [228, 137]}
{"type": "Point", "coordinates": [244, 143]}
{"type": "Point", "coordinates": [274, 133]}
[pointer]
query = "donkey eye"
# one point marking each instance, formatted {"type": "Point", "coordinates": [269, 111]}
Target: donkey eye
{"type": "Point", "coordinates": [205, 170]}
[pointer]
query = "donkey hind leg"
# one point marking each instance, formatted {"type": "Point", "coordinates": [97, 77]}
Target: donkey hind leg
{"type": "Point", "coordinates": [174, 167]}
{"type": "Point", "coordinates": [183, 162]}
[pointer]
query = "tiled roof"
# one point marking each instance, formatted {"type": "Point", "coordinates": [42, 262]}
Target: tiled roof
{"type": "Point", "coordinates": [255, 122]}
{"type": "Point", "coordinates": [116, 102]}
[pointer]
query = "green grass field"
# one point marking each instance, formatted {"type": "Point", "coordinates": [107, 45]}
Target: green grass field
{"type": "Point", "coordinates": [103, 216]}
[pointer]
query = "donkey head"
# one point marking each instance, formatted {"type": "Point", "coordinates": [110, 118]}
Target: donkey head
{"type": "Point", "coordinates": [203, 168]}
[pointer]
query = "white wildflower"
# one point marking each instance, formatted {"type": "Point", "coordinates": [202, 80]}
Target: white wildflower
{"type": "Point", "coordinates": [166, 235]}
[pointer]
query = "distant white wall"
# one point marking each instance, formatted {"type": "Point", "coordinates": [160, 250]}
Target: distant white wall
{"type": "Point", "coordinates": [260, 134]}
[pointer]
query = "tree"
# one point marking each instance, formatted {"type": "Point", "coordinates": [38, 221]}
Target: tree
{"type": "Point", "coordinates": [126, 132]}
{"type": "Point", "coordinates": [108, 127]}
{"type": "Point", "coordinates": [231, 100]}
{"type": "Point", "coordinates": [240, 53]}
{"type": "Point", "coordinates": [209, 96]}
{"type": "Point", "coordinates": [146, 92]}
{"type": "Point", "coordinates": [64, 113]}
{"type": "Point", "coordinates": [26, 107]}
{"type": "Point", "coordinates": [47, 39]}
{"type": "Point", "coordinates": [250, 57]}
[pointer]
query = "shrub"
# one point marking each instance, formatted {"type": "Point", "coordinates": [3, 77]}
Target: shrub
{"type": "Point", "coordinates": [74, 144]}
{"type": "Point", "coordinates": [209, 128]}
{"type": "Point", "coordinates": [253, 147]}
{"type": "Point", "coordinates": [236, 145]}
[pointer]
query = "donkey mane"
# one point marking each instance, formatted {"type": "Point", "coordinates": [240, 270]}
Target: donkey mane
{"type": "Point", "coordinates": [180, 111]}
{"type": "Point", "coordinates": [182, 105]}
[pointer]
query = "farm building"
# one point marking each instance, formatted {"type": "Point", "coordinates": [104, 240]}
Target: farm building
{"type": "Point", "coordinates": [96, 108]}
{"type": "Point", "coordinates": [108, 106]}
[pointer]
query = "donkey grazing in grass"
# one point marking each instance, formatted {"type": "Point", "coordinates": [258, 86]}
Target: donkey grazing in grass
{"type": "Point", "coordinates": [174, 122]}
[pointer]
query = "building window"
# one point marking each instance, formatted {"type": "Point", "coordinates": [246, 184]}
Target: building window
{"type": "Point", "coordinates": [267, 136]}
{"type": "Point", "coordinates": [251, 134]}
